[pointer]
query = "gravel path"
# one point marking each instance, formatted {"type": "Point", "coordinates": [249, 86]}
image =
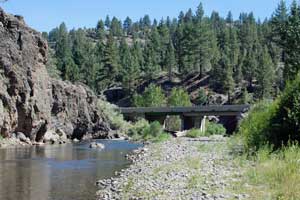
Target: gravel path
{"type": "Point", "coordinates": [178, 169]}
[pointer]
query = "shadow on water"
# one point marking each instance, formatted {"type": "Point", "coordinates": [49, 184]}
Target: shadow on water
{"type": "Point", "coordinates": [66, 172]}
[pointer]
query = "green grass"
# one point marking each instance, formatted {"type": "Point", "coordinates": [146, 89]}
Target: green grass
{"type": "Point", "coordinates": [195, 133]}
{"type": "Point", "coordinates": [211, 129]}
{"type": "Point", "coordinates": [162, 138]}
{"type": "Point", "coordinates": [272, 175]}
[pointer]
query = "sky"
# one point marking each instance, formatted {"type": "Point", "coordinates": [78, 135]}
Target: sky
{"type": "Point", "coordinates": [45, 15]}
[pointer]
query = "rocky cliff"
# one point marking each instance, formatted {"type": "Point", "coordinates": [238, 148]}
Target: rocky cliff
{"type": "Point", "coordinates": [30, 101]}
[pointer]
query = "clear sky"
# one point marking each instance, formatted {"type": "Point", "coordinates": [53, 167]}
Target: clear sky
{"type": "Point", "coordinates": [44, 15]}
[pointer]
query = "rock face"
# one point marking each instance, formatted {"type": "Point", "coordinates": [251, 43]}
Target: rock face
{"type": "Point", "coordinates": [30, 101]}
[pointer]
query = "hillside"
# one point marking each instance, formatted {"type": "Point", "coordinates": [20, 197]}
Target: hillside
{"type": "Point", "coordinates": [192, 84]}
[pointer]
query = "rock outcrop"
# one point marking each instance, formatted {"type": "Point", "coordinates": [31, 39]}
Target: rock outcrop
{"type": "Point", "coordinates": [30, 101]}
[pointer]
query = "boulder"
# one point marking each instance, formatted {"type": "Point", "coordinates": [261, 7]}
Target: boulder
{"type": "Point", "coordinates": [20, 136]}
{"type": "Point", "coordinates": [75, 140]}
{"type": "Point", "coordinates": [95, 145]}
{"type": "Point", "coordinates": [51, 137]}
{"type": "Point", "coordinates": [180, 134]}
{"type": "Point", "coordinates": [62, 135]}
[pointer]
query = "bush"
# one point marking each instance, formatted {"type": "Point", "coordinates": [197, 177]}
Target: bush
{"type": "Point", "coordinates": [152, 131]}
{"type": "Point", "coordinates": [255, 128]}
{"type": "Point", "coordinates": [286, 123]}
{"type": "Point", "coordinates": [142, 130]}
{"type": "Point", "coordinates": [112, 115]}
{"type": "Point", "coordinates": [173, 123]}
{"type": "Point", "coordinates": [215, 129]}
{"type": "Point", "coordinates": [274, 123]}
{"type": "Point", "coordinates": [136, 130]}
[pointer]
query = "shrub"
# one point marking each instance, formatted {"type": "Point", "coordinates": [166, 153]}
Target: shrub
{"type": "Point", "coordinates": [112, 115]}
{"type": "Point", "coordinates": [255, 128]}
{"type": "Point", "coordinates": [142, 130]}
{"type": "Point", "coordinates": [286, 123]}
{"type": "Point", "coordinates": [274, 123]}
{"type": "Point", "coordinates": [152, 131]}
{"type": "Point", "coordinates": [215, 129]}
{"type": "Point", "coordinates": [136, 130]}
{"type": "Point", "coordinates": [173, 123]}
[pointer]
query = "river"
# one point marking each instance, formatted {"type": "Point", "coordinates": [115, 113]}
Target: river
{"type": "Point", "coordinates": [65, 172]}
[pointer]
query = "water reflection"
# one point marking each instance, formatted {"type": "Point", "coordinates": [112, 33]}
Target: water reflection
{"type": "Point", "coordinates": [59, 172]}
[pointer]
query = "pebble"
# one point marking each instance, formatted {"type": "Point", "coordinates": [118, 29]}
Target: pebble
{"type": "Point", "coordinates": [175, 169]}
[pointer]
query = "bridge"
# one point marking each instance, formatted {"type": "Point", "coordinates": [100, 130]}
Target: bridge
{"type": "Point", "coordinates": [191, 117]}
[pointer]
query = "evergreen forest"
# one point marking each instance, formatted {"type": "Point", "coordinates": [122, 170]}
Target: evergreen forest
{"type": "Point", "coordinates": [253, 56]}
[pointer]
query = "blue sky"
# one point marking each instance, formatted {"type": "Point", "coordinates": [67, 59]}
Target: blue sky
{"type": "Point", "coordinates": [44, 15]}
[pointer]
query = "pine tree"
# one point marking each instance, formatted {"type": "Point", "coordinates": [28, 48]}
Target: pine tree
{"type": "Point", "coordinates": [130, 66]}
{"type": "Point", "coordinates": [116, 27]}
{"type": "Point", "coordinates": [187, 59]}
{"type": "Point", "coordinates": [127, 26]}
{"type": "Point", "coordinates": [279, 22]}
{"type": "Point", "coordinates": [202, 97]}
{"type": "Point", "coordinates": [170, 61]}
{"type": "Point", "coordinates": [107, 22]}
{"type": "Point", "coordinates": [100, 30]}
{"type": "Point", "coordinates": [265, 76]}
{"type": "Point", "coordinates": [152, 55]}
{"type": "Point", "coordinates": [292, 43]}
{"type": "Point", "coordinates": [111, 68]}
{"type": "Point", "coordinates": [188, 16]}
{"type": "Point", "coordinates": [63, 53]}
{"type": "Point", "coordinates": [199, 13]}
{"type": "Point", "coordinates": [202, 47]}
{"type": "Point", "coordinates": [164, 36]}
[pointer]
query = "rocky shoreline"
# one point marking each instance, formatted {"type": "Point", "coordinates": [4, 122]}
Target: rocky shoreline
{"type": "Point", "coordinates": [181, 168]}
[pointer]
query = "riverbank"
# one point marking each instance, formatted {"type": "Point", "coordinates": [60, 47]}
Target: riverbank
{"type": "Point", "coordinates": [180, 168]}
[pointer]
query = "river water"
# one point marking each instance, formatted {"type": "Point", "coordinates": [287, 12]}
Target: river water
{"type": "Point", "coordinates": [66, 172]}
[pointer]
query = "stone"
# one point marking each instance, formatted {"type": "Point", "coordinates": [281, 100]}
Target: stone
{"type": "Point", "coordinates": [95, 145]}
{"type": "Point", "coordinates": [180, 133]}
{"type": "Point", "coordinates": [20, 136]}
{"type": "Point", "coordinates": [62, 134]}
{"type": "Point", "coordinates": [51, 136]}
{"type": "Point", "coordinates": [75, 140]}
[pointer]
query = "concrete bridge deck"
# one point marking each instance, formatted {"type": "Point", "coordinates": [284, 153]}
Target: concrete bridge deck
{"type": "Point", "coordinates": [191, 117]}
{"type": "Point", "coordinates": [215, 110]}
